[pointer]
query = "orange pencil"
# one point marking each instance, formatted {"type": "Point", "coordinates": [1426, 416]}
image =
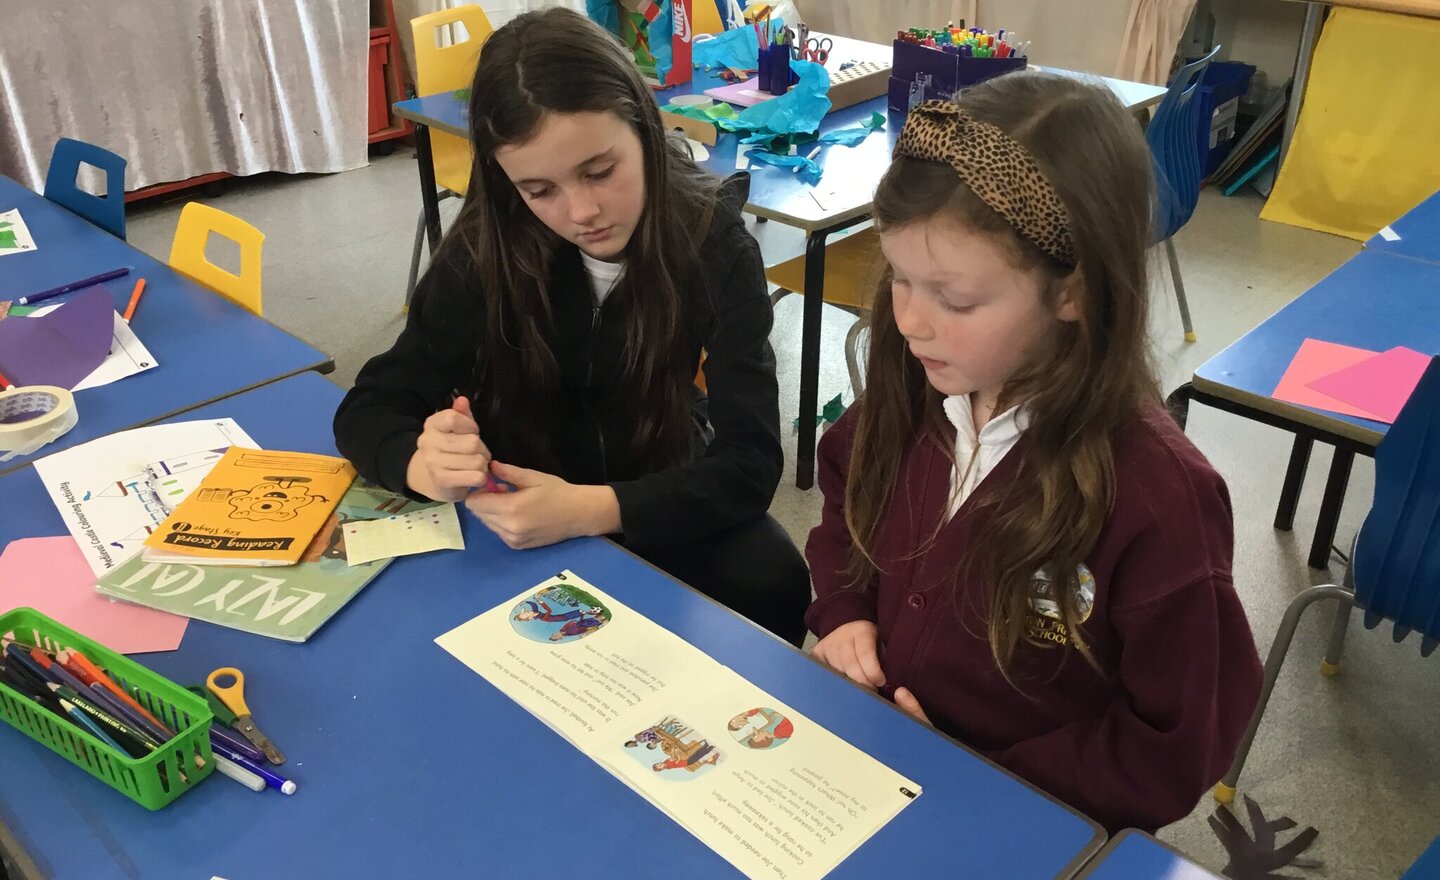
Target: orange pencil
{"type": "Point", "coordinates": [134, 299]}
{"type": "Point", "coordinates": [80, 666]}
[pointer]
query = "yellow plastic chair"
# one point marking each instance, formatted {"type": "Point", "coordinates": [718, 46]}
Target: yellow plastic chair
{"type": "Point", "coordinates": [705, 17]}
{"type": "Point", "coordinates": [444, 69]}
{"type": "Point", "coordinates": [187, 253]}
{"type": "Point", "coordinates": [440, 69]}
{"type": "Point", "coordinates": [852, 261]}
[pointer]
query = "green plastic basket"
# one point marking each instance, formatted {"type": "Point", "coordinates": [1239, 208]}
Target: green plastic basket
{"type": "Point", "coordinates": [152, 781]}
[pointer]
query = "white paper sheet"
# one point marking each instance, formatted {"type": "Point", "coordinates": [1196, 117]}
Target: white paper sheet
{"type": "Point", "coordinates": [405, 534]}
{"type": "Point", "coordinates": [103, 489]}
{"type": "Point", "coordinates": [12, 222]}
{"type": "Point", "coordinates": [773, 792]}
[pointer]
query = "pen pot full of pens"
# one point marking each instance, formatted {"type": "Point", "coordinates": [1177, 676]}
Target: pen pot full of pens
{"type": "Point", "coordinates": [931, 64]}
{"type": "Point", "coordinates": [775, 75]}
{"type": "Point", "coordinates": [127, 726]}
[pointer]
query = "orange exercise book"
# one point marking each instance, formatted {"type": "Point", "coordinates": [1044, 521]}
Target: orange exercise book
{"type": "Point", "coordinates": [253, 508]}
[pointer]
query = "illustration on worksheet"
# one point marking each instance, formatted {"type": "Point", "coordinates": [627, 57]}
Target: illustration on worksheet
{"type": "Point", "coordinates": [761, 728]}
{"type": "Point", "coordinates": [559, 613]}
{"type": "Point", "coordinates": [673, 749]}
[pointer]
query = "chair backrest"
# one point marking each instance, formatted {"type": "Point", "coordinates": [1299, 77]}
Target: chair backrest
{"type": "Point", "coordinates": [1173, 138]}
{"type": "Point", "coordinates": [450, 67]}
{"type": "Point", "coordinates": [107, 211]}
{"type": "Point", "coordinates": [1397, 558]}
{"type": "Point", "coordinates": [187, 253]}
{"type": "Point", "coordinates": [705, 17]}
{"type": "Point", "coordinates": [444, 69]}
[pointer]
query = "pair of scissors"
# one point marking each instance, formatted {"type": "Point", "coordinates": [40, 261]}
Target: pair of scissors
{"type": "Point", "coordinates": [815, 50]}
{"type": "Point", "coordinates": [233, 696]}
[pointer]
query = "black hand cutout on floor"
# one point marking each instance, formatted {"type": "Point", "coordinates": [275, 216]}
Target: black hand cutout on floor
{"type": "Point", "coordinates": [1254, 855]}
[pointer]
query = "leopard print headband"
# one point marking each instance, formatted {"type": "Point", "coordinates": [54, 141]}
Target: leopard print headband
{"type": "Point", "coordinates": [995, 167]}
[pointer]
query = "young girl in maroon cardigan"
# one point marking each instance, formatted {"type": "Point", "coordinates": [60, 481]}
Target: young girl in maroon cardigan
{"type": "Point", "coordinates": [1018, 545]}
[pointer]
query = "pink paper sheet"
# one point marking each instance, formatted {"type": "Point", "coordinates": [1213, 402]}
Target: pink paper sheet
{"type": "Point", "coordinates": [1378, 385]}
{"type": "Point", "coordinates": [1314, 360]}
{"type": "Point", "coordinates": [52, 576]}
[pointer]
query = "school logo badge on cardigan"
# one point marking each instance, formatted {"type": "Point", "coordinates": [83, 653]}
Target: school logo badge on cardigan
{"type": "Point", "coordinates": [1044, 621]}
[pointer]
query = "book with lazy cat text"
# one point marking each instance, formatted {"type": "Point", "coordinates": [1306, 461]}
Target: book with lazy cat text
{"type": "Point", "coordinates": [288, 603]}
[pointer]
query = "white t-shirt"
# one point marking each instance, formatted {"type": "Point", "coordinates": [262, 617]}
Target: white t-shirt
{"type": "Point", "coordinates": [977, 456]}
{"type": "Point", "coordinates": [603, 276]}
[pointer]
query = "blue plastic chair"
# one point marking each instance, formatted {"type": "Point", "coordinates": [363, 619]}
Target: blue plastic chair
{"type": "Point", "coordinates": [107, 212]}
{"type": "Point", "coordinates": [1174, 146]}
{"type": "Point", "coordinates": [1394, 570]}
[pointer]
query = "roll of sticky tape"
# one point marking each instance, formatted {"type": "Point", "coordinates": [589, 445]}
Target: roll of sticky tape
{"type": "Point", "coordinates": [32, 416]}
{"type": "Point", "coordinates": [701, 101]}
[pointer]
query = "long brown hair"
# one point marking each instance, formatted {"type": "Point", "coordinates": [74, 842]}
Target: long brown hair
{"type": "Point", "coordinates": [1084, 386]}
{"type": "Point", "coordinates": [558, 61]}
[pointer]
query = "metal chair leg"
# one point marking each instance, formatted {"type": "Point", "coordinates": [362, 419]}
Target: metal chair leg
{"type": "Point", "coordinates": [1331, 664]}
{"type": "Point", "coordinates": [1179, 289]}
{"type": "Point", "coordinates": [415, 259]}
{"type": "Point", "coordinates": [852, 356]}
{"type": "Point", "coordinates": [1225, 789]}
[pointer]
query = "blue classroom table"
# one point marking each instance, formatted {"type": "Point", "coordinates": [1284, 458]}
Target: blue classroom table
{"type": "Point", "coordinates": [411, 765]}
{"type": "Point", "coordinates": [1375, 301]}
{"type": "Point", "coordinates": [1135, 855]}
{"type": "Point", "coordinates": [840, 200]}
{"type": "Point", "coordinates": [1427, 867]}
{"type": "Point", "coordinates": [1415, 235]}
{"type": "Point", "coordinates": [206, 347]}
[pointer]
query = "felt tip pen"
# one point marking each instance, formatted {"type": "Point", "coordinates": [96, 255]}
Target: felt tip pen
{"type": "Point", "coordinates": [239, 774]}
{"type": "Point", "coordinates": [272, 779]}
{"type": "Point", "coordinates": [221, 739]}
{"type": "Point", "coordinates": [74, 285]}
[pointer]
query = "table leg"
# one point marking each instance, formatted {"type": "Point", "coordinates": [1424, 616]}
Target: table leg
{"type": "Point", "coordinates": [429, 199]}
{"type": "Point", "coordinates": [1314, 15]}
{"type": "Point", "coordinates": [1294, 479]}
{"type": "Point", "coordinates": [810, 356]}
{"type": "Point", "coordinates": [1329, 519]}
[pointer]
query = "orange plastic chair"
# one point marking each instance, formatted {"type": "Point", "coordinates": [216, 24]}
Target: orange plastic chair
{"type": "Point", "coordinates": [444, 69]}
{"type": "Point", "coordinates": [187, 253]}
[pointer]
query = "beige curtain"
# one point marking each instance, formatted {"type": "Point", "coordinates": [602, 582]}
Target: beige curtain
{"type": "Point", "coordinates": [1152, 34]}
{"type": "Point", "coordinates": [182, 88]}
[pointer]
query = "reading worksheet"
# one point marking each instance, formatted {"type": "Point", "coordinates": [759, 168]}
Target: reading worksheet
{"type": "Point", "coordinates": [772, 792]}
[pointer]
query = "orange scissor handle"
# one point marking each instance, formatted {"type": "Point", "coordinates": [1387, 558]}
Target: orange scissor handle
{"type": "Point", "coordinates": [233, 694]}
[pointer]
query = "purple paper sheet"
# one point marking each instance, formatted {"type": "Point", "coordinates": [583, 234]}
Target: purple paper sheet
{"type": "Point", "coordinates": [60, 348]}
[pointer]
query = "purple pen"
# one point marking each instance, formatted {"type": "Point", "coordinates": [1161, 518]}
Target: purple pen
{"type": "Point", "coordinates": [219, 739]}
{"type": "Point", "coordinates": [272, 779]}
{"type": "Point", "coordinates": [74, 285]}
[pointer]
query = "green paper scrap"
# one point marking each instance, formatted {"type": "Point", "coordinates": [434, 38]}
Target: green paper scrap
{"type": "Point", "coordinates": [462, 94]}
{"type": "Point", "coordinates": [712, 114]}
{"type": "Point", "coordinates": [849, 137]}
{"type": "Point", "coordinates": [831, 412]}
{"type": "Point", "coordinates": [8, 240]}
